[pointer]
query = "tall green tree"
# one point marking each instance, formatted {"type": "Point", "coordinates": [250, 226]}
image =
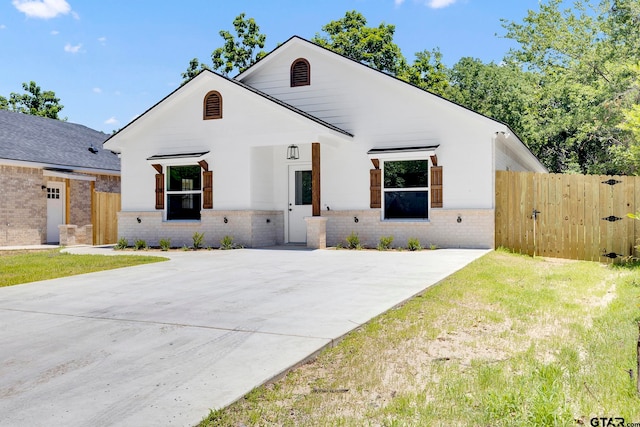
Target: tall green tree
{"type": "Point", "coordinates": [35, 102]}
{"type": "Point", "coordinates": [581, 56]}
{"type": "Point", "coordinates": [239, 51]}
{"type": "Point", "coordinates": [373, 46]}
{"type": "Point", "coordinates": [194, 68]}
{"type": "Point", "coordinates": [428, 72]}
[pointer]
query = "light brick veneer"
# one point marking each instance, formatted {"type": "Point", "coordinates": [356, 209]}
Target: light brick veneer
{"type": "Point", "coordinates": [476, 229]}
{"type": "Point", "coordinates": [248, 228]}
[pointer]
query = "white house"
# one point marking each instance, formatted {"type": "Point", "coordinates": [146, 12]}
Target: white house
{"type": "Point", "coordinates": [308, 146]}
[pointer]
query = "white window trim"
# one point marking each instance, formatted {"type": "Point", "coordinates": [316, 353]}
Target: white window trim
{"type": "Point", "coordinates": [394, 157]}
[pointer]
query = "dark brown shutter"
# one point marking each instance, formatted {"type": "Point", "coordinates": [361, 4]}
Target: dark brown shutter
{"type": "Point", "coordinates": [159, 191]}
{"type": "Point", "coordinates": [436, 186]}
{"type": "Point", "coordinates": [300, 73]}
{"type": "Point", "coordinates": [375, 186]}
{"type": "Point", "coordinates": [207, 190]}
{"type": "Point", "coordinates": [212, 106]}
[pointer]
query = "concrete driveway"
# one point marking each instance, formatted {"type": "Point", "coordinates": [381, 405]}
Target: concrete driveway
{"type": "Point", "coordinates": [162, 344]}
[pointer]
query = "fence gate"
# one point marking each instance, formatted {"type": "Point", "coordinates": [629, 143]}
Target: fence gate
{"type": "Point", "coordinates": [567, 216]}
{"type": "Point", "coordinates": [104, 212]}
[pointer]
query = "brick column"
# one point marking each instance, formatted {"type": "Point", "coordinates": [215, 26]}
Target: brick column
{"type": "Point", "coordinates": [316, 232]}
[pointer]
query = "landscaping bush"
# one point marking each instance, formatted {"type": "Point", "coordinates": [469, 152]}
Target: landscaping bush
{"type": "Point", "coordinates": [413, 244]}
{"type": "Point", "coordinates": [122, 244]}
{"type": "Point", "coordinates": [140, 244]}
{"type": "Point", "coordinates": [385, 243]}
{"type": "Point", "coordinates": [353, 241]}
{"type": "Point", "coordinates": [165, 244]}
{"type": "Point", "coordinates": [198, 238]}
{"type": "Point", "coordinates": [227, 243]}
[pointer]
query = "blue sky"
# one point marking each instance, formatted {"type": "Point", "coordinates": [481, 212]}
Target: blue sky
{"type": "Point", "coordinates": [109, 61]}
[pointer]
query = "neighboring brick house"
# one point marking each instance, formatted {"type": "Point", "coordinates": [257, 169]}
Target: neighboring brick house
{"type": "Point", "coordinates": [308, 146]}
{"type": "Point", "coordinates": [48, 170]}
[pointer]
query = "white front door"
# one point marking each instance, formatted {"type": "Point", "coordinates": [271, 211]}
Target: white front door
{"type": "Point", "coordinates": [299, 202]}
{"type": "Point", "coordinates": [55, 210]}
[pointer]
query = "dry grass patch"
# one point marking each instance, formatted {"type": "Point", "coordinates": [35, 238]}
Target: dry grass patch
{"type": "Point", "coordinates": [509, 340]}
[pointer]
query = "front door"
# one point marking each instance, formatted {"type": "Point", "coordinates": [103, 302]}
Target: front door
{"type": "Point", "coordinates": [55, 210]}
{"type": "Point", "coordinates": [299, 202]}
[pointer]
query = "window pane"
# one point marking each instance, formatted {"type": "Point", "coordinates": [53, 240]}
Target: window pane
{"type": "Point", "coordinates": [184, 178]}
{"type": "Point", "coordinates": [405, 205]}
{"type": "Point", "coordinates": [303, 188]}
{"type": "Point", "coordinates": [406, 174]}
{"type": "Point", "coordinates": [183, 206]}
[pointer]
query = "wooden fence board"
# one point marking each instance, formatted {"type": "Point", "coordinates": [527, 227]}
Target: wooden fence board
{"type": "Point", "coordinates": [572, 220]}
{"type": "Point", "coordinates": [104, 213]}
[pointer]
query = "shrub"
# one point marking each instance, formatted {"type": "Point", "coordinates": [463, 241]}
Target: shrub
{"type": "Point", "coordinates": [227, 243]}
{"type": "Point", "coordinates": [197, 240]}
{"type": "Point", "coordinates": [385, 243]}
{"type": "Point", "coordinates": [433, 247]}
{"type": "Point", "coordinates": [413, 244]}
{"type": "Point", "coordinates": [122, 244]}
{"type": "Point", "coordinates": [140, 244]}
{"type": "Point", "coordinates": [165, 244]}
{"type": "Point", "coordinates": [353, 241]}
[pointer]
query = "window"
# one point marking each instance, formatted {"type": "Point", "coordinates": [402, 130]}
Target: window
{"type": "Point", "coordinates": [406, 189]}
{"type": "Point", "coordinates": [300, 73]}
{"type": "Point", "coordinates": [304, 193]}
{"type": "Point", "coordinates": [212, 106]}
{"type": "Point", "coordinates": [184, 192]}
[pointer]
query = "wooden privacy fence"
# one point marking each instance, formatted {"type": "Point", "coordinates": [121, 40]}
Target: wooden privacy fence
{"type": "Point", "coordinates": [104, 212]}
{"type": "Point", "coordinates": [580, 217]}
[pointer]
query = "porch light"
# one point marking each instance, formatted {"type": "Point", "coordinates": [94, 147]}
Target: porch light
{"type": "Point", "coordinates": [292, 152]}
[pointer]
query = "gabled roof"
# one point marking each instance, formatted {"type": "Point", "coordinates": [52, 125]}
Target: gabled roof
{"type": "Point", "coordinates": [297, 39]}
{"type": "Point", "coordinates": [53, 143]}
{"type": "Point", "coordinates": [275, 101]}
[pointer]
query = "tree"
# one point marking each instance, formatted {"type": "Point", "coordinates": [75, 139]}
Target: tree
{"type": "Point", "coordinates": [428, 72]}
{"type": "Point", "coordinates": [581, 56]}
{"type": "Point", "coordinates": [372, 46]}
{"type": "Point", "coordinates": [4, 104]}
{"type": "Point", "coordinates": [239, 51]}
{"type": "Point", "coordinates": [195, 67]}
{"type": "Point", "coordinates": [35, 102]}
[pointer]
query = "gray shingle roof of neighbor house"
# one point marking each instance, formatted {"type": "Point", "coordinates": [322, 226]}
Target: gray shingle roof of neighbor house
{"type": "Point", "coordinates": [53, 143]}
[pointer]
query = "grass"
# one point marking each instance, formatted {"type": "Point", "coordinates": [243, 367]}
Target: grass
{"type": "Point", "coordinates": [509, 340]}
{"type": "Point", "coordinates": [29, 266]}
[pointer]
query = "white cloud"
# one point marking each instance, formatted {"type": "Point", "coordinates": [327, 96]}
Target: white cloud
{"type": "Point", "coordinates": [2, 26]}
{"type": "Point", "coordinates": [102, 40]}
{"type": "Point", "coordinates": [398, 2]}
{"type": "Point", "coordinates": [44, 9]}
{"type": "Point", "coordinates": [72, 49]}
{"type": "Point", "coordinates": [111, 121]}
{"type": "Point", "coordinates": [439, 4]}
{"type": "Point", "coordinates": [97, 90]}
{"type": "Point", "coordinates": [55, 32]}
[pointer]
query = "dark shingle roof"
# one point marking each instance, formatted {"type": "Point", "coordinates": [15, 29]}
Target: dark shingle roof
{"type": "Point", "coordinates": [36, 139]}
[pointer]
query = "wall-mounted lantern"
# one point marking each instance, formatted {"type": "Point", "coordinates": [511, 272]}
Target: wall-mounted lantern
{"type": "Point", "coordinates": [293, 153]}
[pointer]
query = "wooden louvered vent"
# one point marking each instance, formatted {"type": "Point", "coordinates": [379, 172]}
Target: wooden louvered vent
{"type": "Point", "coordinates": [212, 106]}
{"type": "Point", "coordinates": [300, 73]}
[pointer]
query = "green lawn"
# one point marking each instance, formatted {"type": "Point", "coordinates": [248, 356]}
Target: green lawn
{"type": "Point", "coordinates": [509, 340]}
{"type": "Point", "coordinates": [29, 266]}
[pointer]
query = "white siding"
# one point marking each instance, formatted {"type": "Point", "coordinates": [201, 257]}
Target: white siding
{"type": "Point", "coordinates": [382, 112]}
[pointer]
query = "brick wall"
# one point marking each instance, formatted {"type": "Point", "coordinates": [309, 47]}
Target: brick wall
{"type": "Point", "coordinates": [476, 229]}
{"type": "Point", "coordinates": [248, 228]}
{"type": "Point", "coordinates": [23, 211]}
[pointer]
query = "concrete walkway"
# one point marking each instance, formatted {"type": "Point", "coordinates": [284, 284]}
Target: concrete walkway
{"type": "Point", "coordinates": [161, 344]}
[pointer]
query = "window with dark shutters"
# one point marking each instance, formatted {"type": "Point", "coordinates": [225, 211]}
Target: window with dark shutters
{"type": "Point", "coordinates": [212, 106]}
{"type": "Point", "coordinates": [300, 73]}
